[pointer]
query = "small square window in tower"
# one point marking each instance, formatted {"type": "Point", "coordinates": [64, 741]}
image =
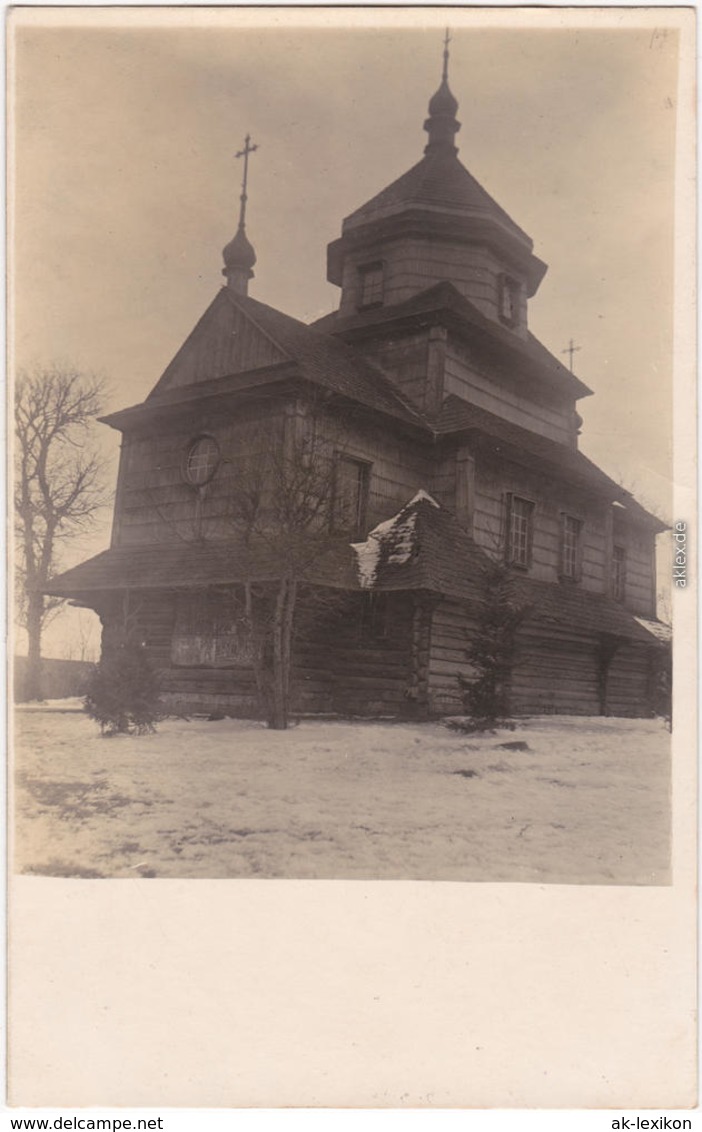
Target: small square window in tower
{"type": "Point", "coordinates": [618, 573]}
{"type": "Point", "coordinates": [350, 495]}
{"type": "Point", "coordinates": [520, 530]}
{"type": "Point", "coordinates": [370, 285]}
{"type": "Point", "coordinates": [508, 300]}
{"type": "Point", "coordinates": [570, 547]}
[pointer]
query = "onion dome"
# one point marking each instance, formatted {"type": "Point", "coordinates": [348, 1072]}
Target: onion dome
{"type": "Point", "coordinates": [239, 252]}
{"type": "Point", "coordinates": [441, 125]}
{"type": "Point", "coordinates": [239, 255]}
{"type": "Point", "coordinates": [239, 258]}
{"type": "Point", "coordinates": [443, 101]}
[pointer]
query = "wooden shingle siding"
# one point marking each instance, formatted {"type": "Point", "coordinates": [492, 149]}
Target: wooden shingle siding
{"type": "Point", "coordinates": [443, 482]}
{"type": "Point", "coordinates": [399, 467]}
{"type": "Point", "coordinates": [157, 505]}
{"type": "Point", "coordinates": [404, 359]}
{"type": "Point", "coordinates": [492, 484]}
{"type": "Point", "coordinates": [467, 380]}
{"type": "Point", "coordinates": [640, 569]}
{"type": "Point", "coordinates": [413, 265]}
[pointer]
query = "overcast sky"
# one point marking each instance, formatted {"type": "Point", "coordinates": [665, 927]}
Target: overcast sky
{"type": "Point", "coordinates": [127, 188]}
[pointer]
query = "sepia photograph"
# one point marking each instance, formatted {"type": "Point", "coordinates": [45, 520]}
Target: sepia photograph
{"type": "Point", "coordinates": [375, 591]}
{"type": "Point", "coordinates": [343, 356]}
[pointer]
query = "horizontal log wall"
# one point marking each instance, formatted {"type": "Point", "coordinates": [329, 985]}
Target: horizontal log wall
{"type": "Point", "coordinates": [372, 677]}
{"type": "Point", "coordinates": [451, 627]}
{"type": "Point", "coordinates": [629, 690]}
{"type": "Point", "coordinates": [337, 666]}
{"type": "Point", "coordinates": [552, 676]}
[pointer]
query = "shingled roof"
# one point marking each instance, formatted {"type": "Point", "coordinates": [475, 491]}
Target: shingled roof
{"type": "Point", "coordinates": [439, 180]}
{"type": "Point", "coordinates": [209, 353]}
{"type": "Point", "coordinates": [191, 565]}
{"type": "Point", "coordinates": [485, 333]}
{"type": "Point", "coordinates": [521, 444]}
{"type": "Point", "coordinates": [570, 607]}
{"type": "Point", "coordinates": [327, 361]}
{"type": "Point", "coordinates": [441, 557]}
{"type": "Point", "coordinates": [422, 547]}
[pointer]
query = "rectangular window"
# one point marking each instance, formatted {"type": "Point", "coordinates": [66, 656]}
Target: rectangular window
{"type": "Point", "coordinates": [350, 494]}
{"type": "Point", "coordinates": [618, 573]}
{"type": "Point", "coordinates": [520, 530]}
{"type": "Point", "coordinates": [370, 278]}
{"type": "Point", "coordinates": [570, 547]}
{"type": "Point", "coordinates": [209, 631]}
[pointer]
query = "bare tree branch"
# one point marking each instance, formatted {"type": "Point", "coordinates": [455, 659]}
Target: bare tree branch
{"type": "Point", "coordinates": [59, 486]}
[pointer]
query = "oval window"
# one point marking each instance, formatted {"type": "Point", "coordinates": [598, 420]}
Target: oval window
{"type": "Point", "coordinates": [201, 461]}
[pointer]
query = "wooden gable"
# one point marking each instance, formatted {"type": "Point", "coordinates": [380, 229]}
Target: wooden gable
{"type": "Point", "coordinates": [225, 341]}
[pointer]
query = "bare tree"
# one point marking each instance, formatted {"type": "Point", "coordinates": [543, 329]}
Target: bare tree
{"type": "Point", "coordinates": [282, 506]}
{"type": "Point", "coordinates": [58, 486]}
{"type": "Point", "coordinates": [83, 645]}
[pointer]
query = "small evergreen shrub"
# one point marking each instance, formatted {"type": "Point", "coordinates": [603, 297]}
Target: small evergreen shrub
{"type": "Point", "coordinates": [491, 655]}
{"type": "Point", "coordinates": [122, 693]}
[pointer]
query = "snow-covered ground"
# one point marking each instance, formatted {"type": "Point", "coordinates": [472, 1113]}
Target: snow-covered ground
{"type": "Point", "coordinates": [588, 802]}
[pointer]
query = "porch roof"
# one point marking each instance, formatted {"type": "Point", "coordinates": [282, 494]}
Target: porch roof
{"type": "Point", "coordinates": [422, 548]}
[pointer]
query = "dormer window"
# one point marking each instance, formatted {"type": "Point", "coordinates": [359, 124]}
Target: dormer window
{"type": "Point", "coordinates": [508, 300]}
{"type": "Point", "coordinates": [370, 285]}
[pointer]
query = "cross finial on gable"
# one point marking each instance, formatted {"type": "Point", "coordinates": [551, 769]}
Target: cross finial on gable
{"type": "Point", "coordinates": [571, 349]}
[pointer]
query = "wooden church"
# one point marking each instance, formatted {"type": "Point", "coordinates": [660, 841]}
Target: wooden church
{"type": "Point", "coordinates": [452, 439]}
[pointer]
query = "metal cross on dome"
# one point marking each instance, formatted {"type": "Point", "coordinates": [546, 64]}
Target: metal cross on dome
{"type": "Point", "coordinates": [447, 40]}
{"type": "Point", "coordinates": [248, 148]}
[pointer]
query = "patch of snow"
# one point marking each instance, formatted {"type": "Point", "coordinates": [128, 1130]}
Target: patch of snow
{"type": "Point", "coordinates": [403, 540]}
{"type": "Point", "coordinates": [392, 539]}
{"type": "Point", "coordinates": [367, 558]}
{"type": "Point", "coordinates": [657, 629]}
{"type": "Point", "coordinates": [588, 803]}
{"type": "Point", "coordinates": [618, 504]}
{"type": "Point", "coordinates": [422, 494]}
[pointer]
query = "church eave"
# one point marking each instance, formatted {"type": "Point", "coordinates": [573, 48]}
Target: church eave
{"type": "Point", "coordinates": [442, 304]}
{"type": "Point", "coordinates": [284, 380]}
{"type": "Point", "coordinates": [169, 402]}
